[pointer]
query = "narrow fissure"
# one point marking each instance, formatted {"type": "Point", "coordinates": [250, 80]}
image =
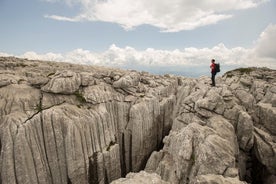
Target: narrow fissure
{"type": "Point", "coordinates": [105, 177]}
{"type": "Point", "coordinates": [0, 157]}
{"type": "Point", "coordinates": [44, 144]}
{"type": "Point", "coordinates": [130, 152]}
{"type": "Point", "coordinates": [69, 180]}
{"type": "Point", "coordinates": [254, 171]}
{"type": "Point", "coordinates": [13, 152]}
{"type": "Point", "coordinates": [44, 140]}
{"type": "Point", "coordinates": [258, 173]}
{"type": "Point", "coordinates": [93, 169]}
{"type": "Point", "coordinates": [123, 158]}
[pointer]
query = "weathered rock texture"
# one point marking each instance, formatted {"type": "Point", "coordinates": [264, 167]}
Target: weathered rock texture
{"type": "Point", "coordinates": [223, 134]}
{"type": "Point", "coordinates": [64, 123]}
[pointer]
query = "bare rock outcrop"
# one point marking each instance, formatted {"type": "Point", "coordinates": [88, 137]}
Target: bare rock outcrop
{"type": "Point", "coordinates": [140, 178]}
{"type": "Point", "coordinates": [215, 179]}
{"type": "Point", "coordinates": [66, 82]}
{"type": "Point", "coordinates": [65, 123]}
{"type": "Point", "coordinates": [223, 134]}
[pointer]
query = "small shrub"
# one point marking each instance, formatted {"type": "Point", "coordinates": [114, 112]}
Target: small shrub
{"type": "Point", "coordinates": [244, 70]}
{"type": "Point", "coordinates": [80, 97]}
{"type": "Point", "coordinates": [39, 107]}
{"type": "Point", "coordinates": [229, 75]}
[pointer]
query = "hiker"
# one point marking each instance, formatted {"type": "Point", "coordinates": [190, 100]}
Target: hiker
{"type": "Point", "coordinates": [213, 72]}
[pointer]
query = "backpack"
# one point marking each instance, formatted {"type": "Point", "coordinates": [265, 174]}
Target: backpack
{"type": "Point", "coordinates": [217, 67]}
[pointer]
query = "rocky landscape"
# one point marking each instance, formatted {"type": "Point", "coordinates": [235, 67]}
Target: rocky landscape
{"type": "Point", "coordinates": [64, 123]}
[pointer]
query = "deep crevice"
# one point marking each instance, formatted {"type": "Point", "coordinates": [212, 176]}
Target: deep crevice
{"type": "Point", "coordinates": [259, 172]}
{"type": "Point", "coordinates": [0, 157]}
{"type": "Point", "coordinates": [255, 172]}
{"type": "Point", "coordinates": [123, 158]}
{"type": "Point", "coordinates": [130, 152]}
{"type": "Point", "coordinates": [105, 177]}
{"type": "Point", "coordinates": [69, 180]}
{"type": "Point", "coordinates": [93, 169]}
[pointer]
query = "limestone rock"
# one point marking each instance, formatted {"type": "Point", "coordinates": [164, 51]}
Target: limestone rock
{"type": "Point", "coordinates": [267, 115]}
{"type": "Point", "coordinates": [7, 79]}
{"type": "Point", "coordinates": [19, 98]}
{"type": "Point", "coordinates": [128, 82]}
{"type": "Point", "coordinates": [65, 123]}
{"type": "Point", "coordinates": [224, 117]}
{"type": "Point", "coordinates": [265, 149]}
{"type": "Point", "coordinates": [191, 152]}
{"type": "Point", "coordinates": [66, 82]}
{"type": "Point", "coordinates": [215, 179]}
{"type": "Point", "coordinates": [97, 94]}
{"type": "Point", "coordinates": [140, 178]}
{"type": "Point", "coordinates": [245, 131]}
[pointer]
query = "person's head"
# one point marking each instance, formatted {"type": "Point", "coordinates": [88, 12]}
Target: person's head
{"type": "Point", "coordinates": [213, 60]}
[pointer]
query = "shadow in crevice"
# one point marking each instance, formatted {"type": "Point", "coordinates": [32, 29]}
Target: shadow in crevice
{"type": "Point", "coordinates": [259, 171]}
{"type": "Point", "coordinates": [256, 172]}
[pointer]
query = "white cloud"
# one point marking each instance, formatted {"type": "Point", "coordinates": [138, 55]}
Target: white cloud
{"type": "Point", "coordinates": [266, 44]}
{"type": "Point", "coordinates": [61, 18]}
{"type": "Point", "coordinates": [116, 56]}
{"type": "Point", "coordinates": [261, 55]}
{"type": "Point", "coordinates": [169, 16]}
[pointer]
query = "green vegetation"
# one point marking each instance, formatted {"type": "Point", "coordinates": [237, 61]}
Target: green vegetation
{"type": "Point", "coordinates": [80, 97]}
{"type": "Point", "coordinates": [244, 70]}
{"type": "Point", "coordinates": [39, 107]}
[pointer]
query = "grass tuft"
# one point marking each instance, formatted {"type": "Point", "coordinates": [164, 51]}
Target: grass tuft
{"type": "Point", "coordinates": [80, 97]}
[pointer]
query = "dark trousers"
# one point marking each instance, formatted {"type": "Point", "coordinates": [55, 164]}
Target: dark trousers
{"type": "Point", "coordinates": [213, 79]}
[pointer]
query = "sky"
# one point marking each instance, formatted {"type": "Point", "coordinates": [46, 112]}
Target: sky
{"type": "Point", "coordinates": [159, 36]}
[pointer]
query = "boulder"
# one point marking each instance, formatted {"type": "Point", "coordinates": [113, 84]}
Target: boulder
{"type": "Point", "coordinates": [267, 117]}
{"type": "Point", "coordinates": [140, 178]}
{"type": "Point", "coordinates": [215, 179]}
{"type": "Point", "coordinates": [265, 149]}
{"type": "Point", "coordinates": [65, 82]}
{"type": "Point", "coordinates": [195, 150]}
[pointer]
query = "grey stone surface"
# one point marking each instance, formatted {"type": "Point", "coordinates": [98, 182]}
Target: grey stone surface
{"type": "Point", "coordinates": [140, 178]}
{"type": "Point", "coordinates": [65, 123]}
{"type": "Point", "coordinates": [215, 179]}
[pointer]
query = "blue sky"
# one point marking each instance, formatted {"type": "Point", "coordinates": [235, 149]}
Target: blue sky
{"type": "Point", "coordinates": [159, 36]}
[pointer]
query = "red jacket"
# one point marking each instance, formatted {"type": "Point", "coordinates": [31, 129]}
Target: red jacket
{"type": "Point", "coordinates": [212, 66]}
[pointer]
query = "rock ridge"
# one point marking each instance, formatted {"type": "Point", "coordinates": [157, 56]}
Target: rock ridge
{"type": "Point", "coordinates": [65, 123]}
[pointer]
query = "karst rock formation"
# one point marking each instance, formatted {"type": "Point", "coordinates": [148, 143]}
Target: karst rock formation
{"type": "Point", "coordinates": [74, 124]}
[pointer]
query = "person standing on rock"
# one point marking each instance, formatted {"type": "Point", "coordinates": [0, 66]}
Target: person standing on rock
{"type": "Point", "coordinates": [213, 72]}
